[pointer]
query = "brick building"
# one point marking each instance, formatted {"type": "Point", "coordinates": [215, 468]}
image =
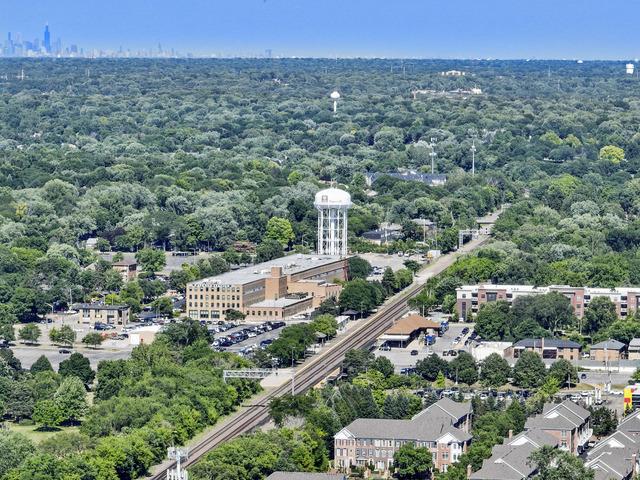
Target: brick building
{"type": "Point", "coordinates": [552, 348]}
{"type": "Point", "coordinates": [443, 428]}
{"type": "Point", "coordinates": [470, 298]}
{"type": "Point", "coordinates": [272, 290]}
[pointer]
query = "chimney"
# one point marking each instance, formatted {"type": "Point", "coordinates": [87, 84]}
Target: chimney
{"type": "Point", "coordinates": [469, 471]}
{"type": "Point", "coordinates": [510, 434]}
{"type": "Point", "coordinates": [276, 272]}
{"type": "Point", "coordinates": [634, 464]}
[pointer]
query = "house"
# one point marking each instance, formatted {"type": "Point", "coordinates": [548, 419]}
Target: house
{"type": "Point", "coordinates": [608, 351]}
{"type": "Point", "coordinates": [551, 348]}
{"type": "Point", "coordinates": [510, 460]}
{"type": "Point", "coordinates": [567, 422]}
{"type": "Point", "coordinates": [443, 428]}
{"type": "Point", "coordinates": [615, 457]}
{"type": "Point", "coordinates": [127, 268]}
{"type": "Point", "coordinates": [633, 351]}
{"type": "Point", "coordinates": [305, 476]}
{"type": "Point", "coordinates": [630, 424]}
{"type": "Point", "coordinates": [93, 313]}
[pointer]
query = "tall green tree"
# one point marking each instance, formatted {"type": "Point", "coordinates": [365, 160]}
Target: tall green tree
{"type": "Point", "coordinates": [494, 371]}
{"type": "Point", "coordinates": [412, 463]}
{"type": "Point", "coordinates": [529, 370]}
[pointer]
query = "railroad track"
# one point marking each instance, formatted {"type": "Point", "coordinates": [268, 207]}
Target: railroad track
{"type": "Point", "coordinates": [310, 373]}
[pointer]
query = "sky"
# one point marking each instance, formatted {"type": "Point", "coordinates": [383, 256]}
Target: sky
{"type": "Point", "coordinates": [572, 29]}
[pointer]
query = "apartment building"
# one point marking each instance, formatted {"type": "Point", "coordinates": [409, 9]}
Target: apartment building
{"type": "Point", "coordinates": [93, 313]}
{"type": "Point", "coordinates": [615, 457]}
{"type": "Point", "coordinates": [259, 291]}
{"type": "Point", "coordinates": [471, 297]}
{"type": "Point", "coordinates": [127, 268]}
{"type": "Point", "coordinates": [568, 422]}
{"type": "Point", "coordinates": [551, 348]}
{"type": "Point", "coordinates": [565, 426]}
{"type": "Point", "coordinates": [608, 351]}
{"type": "Point", "coordinates": [510, 460]}
{"type": "Point", "coordinates": [443, 428]}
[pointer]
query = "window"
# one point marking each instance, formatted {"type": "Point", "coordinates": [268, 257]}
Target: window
{"type": "Point", "coordinates": [445, 455]}
{"type": "Point", "coordinates": [492, 296]}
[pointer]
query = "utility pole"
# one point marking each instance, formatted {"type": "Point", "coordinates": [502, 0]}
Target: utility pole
{"type": "Point", "coordinates": [177, 454]}
{"type": "Point", "coordinates": [473, 157]}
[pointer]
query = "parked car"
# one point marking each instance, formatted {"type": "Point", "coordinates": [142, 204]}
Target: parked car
{"type": "Point", "coordinates": [65, 351]}
{"type": "Point", "coordinates": [414, 353]}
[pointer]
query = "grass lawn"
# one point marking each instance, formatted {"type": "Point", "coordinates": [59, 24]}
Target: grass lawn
{"type": "Point", "coordinates": [35, 436]}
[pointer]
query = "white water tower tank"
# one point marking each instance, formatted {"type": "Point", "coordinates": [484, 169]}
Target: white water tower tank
{"type": "Point", "coordinates": [332, 205]}
{"type": "Point", "coordinates": [630, 68]}
{"type": "Point", "coordinates": [335, 96]}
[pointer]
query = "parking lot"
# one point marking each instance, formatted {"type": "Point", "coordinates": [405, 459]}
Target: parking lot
{"type": "Point", "coordinates": [384, 260]}
{"type": "Point", "coordinates": [243, 339]}
{"type": "Point", "coordinates": [402, 358]}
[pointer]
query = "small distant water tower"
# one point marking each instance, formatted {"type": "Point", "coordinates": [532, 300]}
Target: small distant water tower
{"type": "Point", "coordinates": [630, 68]}
{"type": "Point", "coordinates": [335, 96]}
{"type": "Point", "coordinates": [332, 205]}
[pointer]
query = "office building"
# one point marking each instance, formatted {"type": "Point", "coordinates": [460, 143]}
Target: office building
{"type": "Point", "coordinates": [274, 290]}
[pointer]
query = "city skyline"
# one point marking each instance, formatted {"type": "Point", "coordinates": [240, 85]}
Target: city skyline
{"type": "Point", "coordinates": [407, 29]}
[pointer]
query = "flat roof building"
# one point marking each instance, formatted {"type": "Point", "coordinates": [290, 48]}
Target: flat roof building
{"type": "Point", "coordinates": [288, 285]}
{"type": "Point", "coordinates": [93, 313]}
{"type": "Point", "coordinates": [470, 298]}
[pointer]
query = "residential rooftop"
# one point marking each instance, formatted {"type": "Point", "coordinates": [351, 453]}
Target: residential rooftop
{"type": "Point", "coordinates": [305, 476]}
{"type": "Point", "coordinates": [610, 344]}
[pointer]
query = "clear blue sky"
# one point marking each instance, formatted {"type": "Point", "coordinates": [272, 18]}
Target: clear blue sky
{"type": "Point", "coordinates": [605, 29]}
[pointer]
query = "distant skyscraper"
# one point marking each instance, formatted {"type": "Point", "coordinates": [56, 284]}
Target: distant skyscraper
{"type": "Point", "coordinates": [47, 39]}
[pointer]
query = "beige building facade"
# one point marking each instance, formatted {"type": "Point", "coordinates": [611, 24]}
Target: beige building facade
{"type": "Point", "coordinates": [268, 291]}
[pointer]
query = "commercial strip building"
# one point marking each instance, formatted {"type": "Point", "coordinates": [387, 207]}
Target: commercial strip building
{"type": "Point", "coordinates": [471, 297]}
{"type": "Point", "coordinates": [273, 290]}
{"type": "Point", "coordinates": [443, 428]}
{"type": "Point", "coordinates": [92, 313]}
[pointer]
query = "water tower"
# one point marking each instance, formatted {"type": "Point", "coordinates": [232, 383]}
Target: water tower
{"type": "Point", "coordinates": [630, 67]}
{"type": "Point", "coordinates": [335, 96]}
{"type": "Point", "coordinates": [332, 205]}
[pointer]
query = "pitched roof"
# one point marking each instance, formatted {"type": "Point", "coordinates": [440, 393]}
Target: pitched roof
{"type": "Point", "coordinates": [615, 463]}
{"type": "Point", "coordinates": [451, 408]}
{"type": "Point", "coordinates": [506, 463]}
{"type": "Point", "coordinates": [561, 416]}
{"type": "Point", "coordinates": [537, 438]}
{"type": "Point", "coordinates": [429, 425]}
{"type": "Point", "coordinates": [305, 476]}
{"type": "Point", "coordinates": [610, 344]}
{"type": "Point", "coordinates": [548, 342]}
{"type": "Point", "coordinates": [408, 325]}
{"type": "Point", "coordinates": [426, 431]}
{"type": "Point", "coordinates": [631, 423]}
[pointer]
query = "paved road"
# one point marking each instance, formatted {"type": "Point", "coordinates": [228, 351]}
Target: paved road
{"type": "Point", "coordinates": [314, 370]}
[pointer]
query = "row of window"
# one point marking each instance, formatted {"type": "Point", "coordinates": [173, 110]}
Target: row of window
{"type": "Point", "coordinates": [218, 297]}
{"type": "Point", "coordinates": [217, 288]}
{"type": "Point", "coordinates": [215, 304]}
